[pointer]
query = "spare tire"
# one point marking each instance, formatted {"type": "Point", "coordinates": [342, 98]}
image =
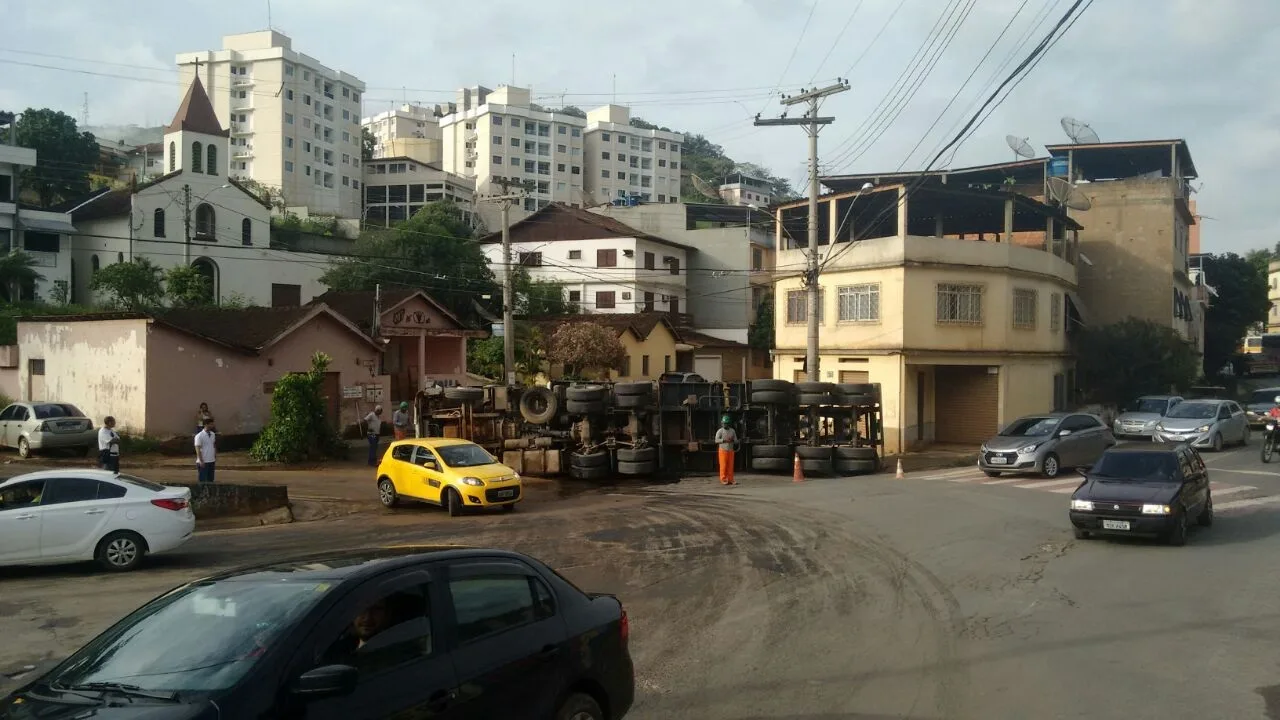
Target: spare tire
{"type": "Point", "coordinates": [587, 460]}
{"type": "Point", "coordinates": [809, 386]}
{"type": "Point", "coordinates": [815, 465]}
{"type": "Point", "coordinates": [630, 402]}
{"type": "Point", "coordinates": [589, 473]}
{"type": "Point", "coordinates": [771, 464]}
{"type": "Point", "coordinates": [632, 388]}
{"type": "Point", "coordinates": [584, 393]}
{"type": "Point", "coordinates": [584, 407]}
{"type": "Point", "coordinates": [810, 452]}
{"type": "Point", "coordinates": [637, 468]}
{"type": "Point", "coordinates": [771, 451]}
{"type": "Point", "coordinates": [848, 452]}
{"type": "Point", "coordinates": [637, 455]}
{"type": "Point", "coordinates": [464, 394]}
{"type": "Point", "coordinates": [539, 405]}
{"type": "Point", "coordinates": [774, 385]}
{"type": "Point", "coordinates": [856, 467]}
{"type": "Point", "coordinates": [772, 397]}
{"type": "Point", "coordinates": [815, 399]}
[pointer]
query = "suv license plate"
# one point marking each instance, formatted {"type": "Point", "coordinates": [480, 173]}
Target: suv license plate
{"type": "Point", "coordinates": [999, 461]}
{"type": "Point", "coordinates": [1115, 524]}
{"type": "Point", "coordinates": [511, 493]}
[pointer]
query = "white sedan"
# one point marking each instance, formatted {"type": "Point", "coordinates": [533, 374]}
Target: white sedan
{"type": "Point", "coordinates": [68, 516]}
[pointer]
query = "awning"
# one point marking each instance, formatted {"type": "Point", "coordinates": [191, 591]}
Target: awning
{"type": "Point", "coordinates": [1074, 299]}
{"type": "Point", "coordinates": [53, 225]}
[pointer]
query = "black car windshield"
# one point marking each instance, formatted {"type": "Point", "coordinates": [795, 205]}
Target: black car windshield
{"type": "Point", "coordinates": [1264, 397]}
{"type": "Point", "coordinates": [1136, 466]}
{"type": "Point", "coordinates": [1194, 410]}
{"type": "Point", "coordinates": [464, 455]}
{"type": "Point", "coordinates": [200, 638]}
{"type": "Point", "coordinates": [1151, 405]}
{"type": "Point", "coordinates": [56, 410]}
{"type": "Point", "coordinates": [1030, 427]}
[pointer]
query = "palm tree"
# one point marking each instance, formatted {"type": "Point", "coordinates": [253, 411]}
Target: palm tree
{"type": "Point", "coordinates": [17, 269]}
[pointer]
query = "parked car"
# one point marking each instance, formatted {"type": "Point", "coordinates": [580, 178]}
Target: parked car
{"type": "Point", "coordinates": [1259, 402]}
{"type": "Point", "coordinates": [1045, 444]}
{"type": "Point", "coordinates": [1204, 424]}
{"type": "Point", "coordinates": [1140, 420]}
{"type": "Point", "coordinates": [36, 426]}
{"type": "Point", "coordinates": [1151, 490]}
{"type": "Point", "coordinates": [67, 516]}
{"type": "Point", "coordinates": [455, 474]}
{"type": "Point", "coordinates": [440, 632]}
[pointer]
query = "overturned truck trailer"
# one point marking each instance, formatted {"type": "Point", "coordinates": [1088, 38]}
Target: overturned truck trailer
{"type": "Point", "coordinates": [596, 431]}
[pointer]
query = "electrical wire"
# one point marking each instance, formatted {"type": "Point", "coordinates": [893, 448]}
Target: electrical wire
{"type": "Point", "coordinates": [795, 48]}
{"type": "Point", "coordinates": [836, 42]}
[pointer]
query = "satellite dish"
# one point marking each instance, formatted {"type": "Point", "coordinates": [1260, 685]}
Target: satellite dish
{"type": "Point", "coordinates": [1079, 132]}
{"type": "Point", "coordinates": [1064, 193]}
{"type": "Point", "coordinates": [703, 187]}
{"type": "Point", "coordinates": [1020, 146]}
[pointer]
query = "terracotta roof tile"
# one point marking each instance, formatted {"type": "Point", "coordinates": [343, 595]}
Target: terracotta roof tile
{"type": "Point", "coordinates": [357, 306]}
{"type": "Point", "coordinates": [196, 114]}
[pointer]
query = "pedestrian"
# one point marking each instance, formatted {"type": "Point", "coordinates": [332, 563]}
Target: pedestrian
{"type": "Point", "coordinates": [726, 440]}
{"type": "Point", "coordinates": [373, 428]}
{"type": "Point", "coordinates": [400, 421]}
{"type": "Point", "coordinates": [206, 452]}
{"type": "Point", "coordinates": [201, 415]}
{"type": "Point", "coordinates": [109, 445]}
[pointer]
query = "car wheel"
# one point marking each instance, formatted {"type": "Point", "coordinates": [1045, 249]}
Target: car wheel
{"type": "Point", "coordinates": [453, 502]}
{"type": "Point", "coordinates": [1244, 439]}
{"type": "Point", "coordinates": [1178, 533]}
{"type": "Point", "coordinates": [1080, 534]}
{"type": "Point", "coordinates": [1206, 515]}
{"type": "Point", "coordinates": [509, 507]}
{"type": "Point", "coordinates": [387, 493]}
{"type": "Point", "coordinates": [1050, 467]}
{"type": "Point", "coordinates": [580, 707]}
{"type": "Point", "coordinates": [24, 448]}
{"type": "Point", "coordinates": [991, 473]}
{"type": "Point", "coordinates": [120, 551]}
{"type": "Point", "coordinates": [1217, 442]}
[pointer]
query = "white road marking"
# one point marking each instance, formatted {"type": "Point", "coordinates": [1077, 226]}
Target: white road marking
{"type": "Point", "coordinates": [1006, 481]}
{"type": "Point", "coordinates": [1232, 490]}
{"type": "Point", "coordinates": [1051, 483]}
{"type": "Point", "coordinates": [1268, 500]}
{"type": "Point", "coordinates": [1248, 472]}
{"type": "Point", "coordinates": [950, 473]}
{"type": "Point", "coordinates": [1063, 491]}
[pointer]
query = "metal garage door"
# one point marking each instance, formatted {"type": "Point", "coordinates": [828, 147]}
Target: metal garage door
{"type": "Point", "coordinates": [968, 401]}
{"type": "Point", "coordinates": [709, 367]}
{"type": "Point", "coordinates": [855, 376]}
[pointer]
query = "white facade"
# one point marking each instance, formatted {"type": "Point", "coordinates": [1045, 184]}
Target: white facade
{"type": "Point", "coordinates": [295, 123]}
{"type": "Point", "coordinates": [408, 131]}
{"type": "Point", "coordinates": [625, 161]}
{"type": "Point", "coordinates": [611, 275]}
{"type": "Point", "coordinates": [495, 135]}
{"type": "Point", "coordinates": [41, 234]}
{"type": "Point", "coordinates": [746, 190]}
{"type": "Point", "coordinates": [397, 187]}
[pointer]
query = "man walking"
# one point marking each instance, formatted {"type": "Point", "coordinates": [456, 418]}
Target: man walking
{"type": "Point", "coordinates": [400, 421]}
{"type": "Point", "coordinates": [373, 429]}
{"type": "Point", "coordinates": [109, 445]}
{"type": "Point", "coordinates": [206, 452]}
{"type": "Point", "coordinates": [726, 440]}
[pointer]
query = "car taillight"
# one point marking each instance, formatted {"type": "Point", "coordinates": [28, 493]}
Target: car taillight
{"type": "Point", "coordinates": [625, 626]}
{"type": "Point", "coordinates": [169, 504]}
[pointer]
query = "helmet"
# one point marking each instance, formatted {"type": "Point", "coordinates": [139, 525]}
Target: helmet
{"type": "Point", "coordinates": [1278, 399]}
{"type": "Point", "coordinates": [404, 406]}
{"type": "Point", "coordinates": [726, 420]}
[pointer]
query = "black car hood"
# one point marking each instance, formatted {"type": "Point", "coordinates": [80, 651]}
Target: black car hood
{"type": "Point", "coordinates": [1101, 490]}
{"type": "Point", "coordinates": [26, 708]}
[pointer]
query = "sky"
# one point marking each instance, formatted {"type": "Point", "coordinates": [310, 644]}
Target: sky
{"type": "Point", "coordinates": [1132, 69]}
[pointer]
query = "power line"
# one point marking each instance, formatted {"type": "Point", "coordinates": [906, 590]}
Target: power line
{"type": "Point", "coordinates": [836, 42]}
{"type": "Point", "coordinates": [792, 57]}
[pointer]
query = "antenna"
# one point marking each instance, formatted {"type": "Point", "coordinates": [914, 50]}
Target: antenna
{"type": "Point", "coordinates": [1020, 146]}
{"type": "Point", "coordinates": [513, 69]}
{"type": "Point", "coordinates": [704, 188]}
{"type": "Point", "coordinates": [1064, 193]}
{"type": "Point", "coordinates": [269, 26]}
{"type": "Point", "coordinates": [1079, 132]}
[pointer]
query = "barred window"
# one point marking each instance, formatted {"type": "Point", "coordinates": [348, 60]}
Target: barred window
{"type": "Point", "coordinates": [859, 303]}
{"type": "Point", "coordinates": [1055, 312]}
{"type": "Point", "coordinates": [798, 305]}
{"type": "Point", "coordinates": [1024, 309]}
{"type": "Point", "coordinates": [960, 304]}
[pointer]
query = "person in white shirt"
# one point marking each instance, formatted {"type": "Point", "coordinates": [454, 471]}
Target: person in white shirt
{"type": "Point", "coordinates": [373, 429]}
{"type": "Point", "coordinates": [109, 445]}
{"type": "Point", "coordinates": [206, 452]}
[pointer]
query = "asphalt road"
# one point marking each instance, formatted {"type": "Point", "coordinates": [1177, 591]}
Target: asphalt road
{"type": "Point", "coordinates": [943, 595]}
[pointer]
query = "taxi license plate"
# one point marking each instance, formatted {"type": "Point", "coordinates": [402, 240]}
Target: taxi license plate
{"type": "Point", "coordinates": [512, 493]}
{"type": "Point", "coordinates": [999, 461]}
{"type": "Point", "coordinates": [1115, 524]}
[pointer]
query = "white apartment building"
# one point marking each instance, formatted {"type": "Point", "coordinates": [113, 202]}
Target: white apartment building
{"type": "Point", "coordinates": [411, 131]}
{"type": "Point", "coordinates": [745, 190]}
{"type": "Point", "coordinates": [625, 161]}
{"type": "Point", "coordinates": [42, 234]}
{"type": "Point", "coordinates": [295, 123]}
{"type": "Point", "coordinates": [397, 187]}
{"type": "Point", "coordinates": [494, 135]}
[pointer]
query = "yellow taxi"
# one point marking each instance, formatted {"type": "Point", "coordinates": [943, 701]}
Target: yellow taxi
{"type": "Point", "coordinates": [455, 474]}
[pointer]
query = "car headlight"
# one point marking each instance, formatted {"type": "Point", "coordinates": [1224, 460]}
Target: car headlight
{"type": "Point", "coordinates": [1202, 429]}
{"type": "Point", "coordinates": [1027, 449]}
{"type": "Point", "coordinates": [982, 449]}
{"type": "Point", "coordinates": [472, 481]}
{"type": "Point", "coordinates": [1160, 427]}
{"type": "Point", "coordinates": [1156, 510]}
{"type": "Point", "coordinates": [1085, 505]}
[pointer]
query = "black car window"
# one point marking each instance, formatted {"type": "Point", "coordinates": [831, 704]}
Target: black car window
{"type": "Point", "coordinates": [8, 412]}
{"type": "Point", "coordinates": [56, 410]}
{"type": "Point", "coordinates": [424, 457]}
{"type": "Point", "coordinates": [20, 413]}
{"type": "Point", "coordinates": [21, 495]}
{"type": "Point", "coordinates": [69, 490]}
{"type": "Point", "coordinates": [402, 453]}
{"type": "Point", "coordinates": [110, 491]}
{"type": "Point", "coordinates": [1140, 466]}
{"type": "Point", "coordinates": [1076, 423]}
{"type": "Point", "coordinates": [1224, 412]}
{"type": "Point", "coordinates": [390, 631]}
{"type": "Point", "coordinates": [487, 604]}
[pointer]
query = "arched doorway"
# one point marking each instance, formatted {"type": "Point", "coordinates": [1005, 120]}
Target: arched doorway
{"type": "Point", "coordinates": [209, 269]}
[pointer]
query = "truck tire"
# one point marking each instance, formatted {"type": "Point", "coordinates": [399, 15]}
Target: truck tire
{"type": "Point", "coordinates": [809, 452]}
{"type": "Point", "coordinates": [584, 393]}
{"type": "Point", "coordinates": [812, 399]}
{"type": "Point", "coordinates": [637, 468]}
{"type": "Point", "coordinates": [589, 473]}
{"type": "Point", "coordinates": [464, 394]}
{"type": "Point", "coordinates": [637, 455]}
{"type": "Point", "coordinates": [848, 452]}
{"type": "Point", "coordinates": [632, 402]}
{"type": "Point", "coordinates": [586, 460]}
{"type": "Point", "coordinates": [539, 405]}
{"type": "Point", "coordinates": [584, 407]}
{"type": "Point", "coordinates": [771, 464]}
{"type": "Point", "coordinates": [856, 467]}
{"type": "Point", "coordinates": [772, 397]}
{"type": "Point", "coordinates": [820, 466]}
{"type": "Point", "coordinates": [771, 451]}
{"type": "Point", "coordinates": [633, 388]}
{"type": "Point", "coordinates": [855, 400]}
{"type": "Point", "coordinates": [773, 385]}
{"type": "Point", "coordinates": [809, 386]}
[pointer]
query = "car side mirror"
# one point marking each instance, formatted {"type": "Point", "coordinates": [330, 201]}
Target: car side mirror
{"type": "Point", "coordinates": [1063, 433]}
{"type": "Point", "coordinates": [327, 681]}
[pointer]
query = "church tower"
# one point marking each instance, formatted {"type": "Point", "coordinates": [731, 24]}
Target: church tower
{"type": "Point", "coordinates": [195, 142]}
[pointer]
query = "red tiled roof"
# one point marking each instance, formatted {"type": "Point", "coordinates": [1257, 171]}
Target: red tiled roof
{"type": "Point", "coordinates": [196, 114]}
{"type": "Point", "coordinates": [357, 306]}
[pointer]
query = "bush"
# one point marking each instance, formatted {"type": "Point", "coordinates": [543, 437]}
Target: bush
{"type": "Point", "coordinates": [138, 444]}
{"type": "Point", "coordinates": [298, 429]}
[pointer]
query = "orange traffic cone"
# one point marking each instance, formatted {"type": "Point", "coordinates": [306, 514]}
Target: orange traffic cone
{"type": "Point", "coordinates": [797, 474]}
{"type": "Point", "coordinates": [901, 475]}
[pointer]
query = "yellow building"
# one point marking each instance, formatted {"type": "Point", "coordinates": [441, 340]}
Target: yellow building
{"type": "Point", "coordinates": [959, 303]}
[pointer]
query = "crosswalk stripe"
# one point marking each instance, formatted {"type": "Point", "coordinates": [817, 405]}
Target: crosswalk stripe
{"type": "Point", "coordinates": [1219, 492]}
{"type": "Point", "coordinates": [950, 473]}
{"type": "Point", "coordinates": [1006, 481]}
{"type": "Point", "coordinates": [1268, 500]}
{"type": "Point", "coordinates": [1051, 483]}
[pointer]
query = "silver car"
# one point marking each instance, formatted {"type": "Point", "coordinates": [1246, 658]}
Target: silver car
{"type": "Point", "coordinates": [1204, 424]}
{"type": "Point", "coordinates": [1045, 444]}
{"type": "Point", "coordinates": [36, 426]}
{"type": "Point", "coordinates": [1259, 403]}
{"type": "Point", "coordinates": [1140, 420]}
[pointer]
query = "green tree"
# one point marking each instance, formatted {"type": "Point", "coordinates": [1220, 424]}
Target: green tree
{"type": "Point", "coordinates": [131, 285]}
{"type": "Point", "coordinates": [484, 355]}
{"type": "Point", "coordinates": [1240, 302]}
{"type": "Point", "coordinates": [64, 155]}
{"type": "Point", "coordinates": [367, 143]}
{"type": "Point", "coordinates": [760, 335]}
{"type": "Point", "coordinates": [1120, 362]}
{"type": "Point", "coordinates": [573, 110]}
{"type": "Point", "coordinates": [583, 347]}
{"type": "Point", "coordinates": [187, 287]}
{"type": "Point", "coordinates": [299, 429]}
{"type": "Point", "coordinates": [539, 298]}
{"type": "Point", "coordinates": [432, 250]}
{"type": "Point", "coordinates": [17, 270]}
{"type": "Point", "coordinates": [779, 188]}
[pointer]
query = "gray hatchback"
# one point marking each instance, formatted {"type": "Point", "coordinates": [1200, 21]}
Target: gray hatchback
{"type": "Point", "coordinates": [1045, 444]}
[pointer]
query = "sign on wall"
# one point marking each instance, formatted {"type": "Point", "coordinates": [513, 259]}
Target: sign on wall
{"type": "Point", "coordinates": [352, 392]}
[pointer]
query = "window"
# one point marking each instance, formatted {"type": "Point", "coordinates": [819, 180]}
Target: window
{"type": "Point", "coordinates": [648, 302]}
{"type": "Point", "coordinates": [487, 604]}
{"type": "Point", "coordinates": [21, 495]}
{"type": "Point", "coordinates": [577, 132]}
{"type": "Point", "coordinates": [530, 259]}
{"type": "Point", "coordinates": [211, 160]}
{"type": "Point", "coordinates": [94, 263]}
{"type": "Point", "coordinates": [604, 174]}
{"type": "Point", "coordinates": [575, 296]}
{"type": "Point", "coordinates": [622, 175]}
{"type": "Point", "coordinates": [515, 142]}
{"type": "Point", "coordinates": [562, 149]}
{"type": "Point", "coordinates": [288, 118]}
{"type": "Point", "coordinates": [575, 170]}
{"type": "Point", "coordinates": [607, 258]}
{"type": "Point", "coordinates": [560, 130]}
{"type": "Point", "coordinates": [625, 369]}
{"type": "Point", "coordinates": [1024, 309]}
{"type": "Point", "coordinates": [648, 261]}
{"type": "Point", "coordinates": [69, 490]}
{"type": "Point", "coordinates": [604, 137]}
{"type": "Point", "coordinates": [575, 254]}
{"type": "Point", "coordinates": [644, 365]}
{"type": "Point", "coordinates": [604, 300]}
{"type": "Point", "coordinates": [859, 303]}
{"type": "Point", "coordinates": [497, 119]}
{"type": "Point", "coordinates": [403, 453]}
{"type": "Point", "coordinates": [604, 156]}
{"type": "Point", "coordinates": [246, 232]}
{"type": "Point", "coordinates": [544, 149]}
{"type": "Point", "coordinates": [1055, 312]}
{"type": "Point", "coordinates": [675, 265]}
{"type": "Point", "coordinates": [388, 632]}
{"type": "Point", "coordinates": [157, 223]}
{"type": "Point", "coordinates": [798, 305]}
{"type": "Point", "coordinates": [195, 157]}
{"type": "Point", "coordinates": [206, 226]}
{"type": "Point", "coordinates": [286, 295]}
{"type": "Point", "coordinates": [959, 304]}
{"type": "Point", "coordinates": [559, 167]}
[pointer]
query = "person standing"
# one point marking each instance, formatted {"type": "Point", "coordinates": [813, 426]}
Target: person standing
{"type": "Point", "coordinates": [206, 452]}
{"type": "Point", "coordinates": [400, 421]}
{"type": "Point", "coordinates": [726, 441]}
{"type": "Point", "coordinates": [109, 445]}
{"type": "Point", "coordinates": [201, 415]}
{"type": "Point", "coordinates": [373, 429]}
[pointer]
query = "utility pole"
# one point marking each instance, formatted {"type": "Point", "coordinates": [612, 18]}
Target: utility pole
{"type": "Point", "coordinates": [508, 291]}
{"type": "Point", "coordinates": [811, 124]}
{"type": "Point", "coordinates": [377, 311]}
{"type": "Point", "coordinates": [186, 221]}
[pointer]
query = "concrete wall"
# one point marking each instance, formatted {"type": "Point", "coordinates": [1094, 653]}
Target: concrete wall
{"type": "Point", "coordinates": [100, 367]}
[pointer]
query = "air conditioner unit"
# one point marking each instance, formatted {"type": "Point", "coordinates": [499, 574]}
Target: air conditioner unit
{"type": "Point", "coordinates": [628, 253]}
{"type": "Point", "coordinates": [668, 259]}
{"type": "Point", "coordinates": [626, 296]}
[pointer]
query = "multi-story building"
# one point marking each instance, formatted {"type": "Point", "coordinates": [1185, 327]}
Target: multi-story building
{"type": "Point", "coordinates": [943, 299]}
{"type": "Point", "coordinates": [625, 161]}
{"type": "Point", "coordinates": [1273, 294]}
{"type": "Point", "coordinates": [411, 131]}
{"type": "Point", "coordinates": [42, 234]}
{"type": "Point", "coordinates": [498, 135]}
{"type": "Point", "coordinates": [295, 123]}
{"type": "Point", "coordinates": [740, 189]}
{"type": "Point", "coordinates": [397, 187]}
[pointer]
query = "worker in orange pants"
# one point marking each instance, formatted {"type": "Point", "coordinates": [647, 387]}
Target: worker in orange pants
{"type": "Point", "coordinates": [726, 441]}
